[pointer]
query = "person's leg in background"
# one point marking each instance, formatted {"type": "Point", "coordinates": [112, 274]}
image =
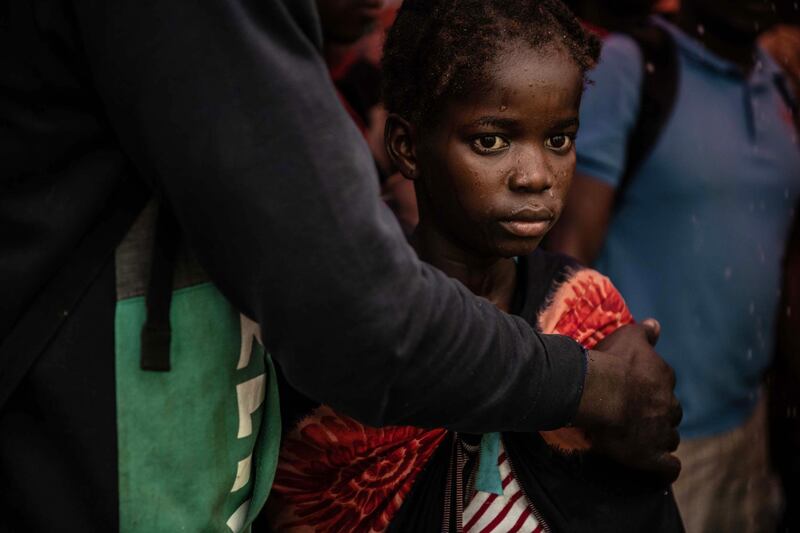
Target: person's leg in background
{"type": "Point", "coordinates": [726, 482]}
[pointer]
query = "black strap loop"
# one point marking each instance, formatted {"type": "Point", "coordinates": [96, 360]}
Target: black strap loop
{"type": "Point", "coordinates": [156, 333]}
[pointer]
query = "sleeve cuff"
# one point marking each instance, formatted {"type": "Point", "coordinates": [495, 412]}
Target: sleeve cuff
{"type": "Point", "coordinates": [560, 397]}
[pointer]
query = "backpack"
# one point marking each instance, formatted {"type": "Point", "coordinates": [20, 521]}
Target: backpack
{"type": "Point", "coordinates": [658, 93]}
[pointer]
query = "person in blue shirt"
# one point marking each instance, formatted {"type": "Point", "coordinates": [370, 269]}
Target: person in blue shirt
{"type": "Point", "coordinates": [697, 236]}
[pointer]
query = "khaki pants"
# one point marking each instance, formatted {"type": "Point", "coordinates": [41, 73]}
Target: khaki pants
{"type": "Point", "coordinates": [726, 483]}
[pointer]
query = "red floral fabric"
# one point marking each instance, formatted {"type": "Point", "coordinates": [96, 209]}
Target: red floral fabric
{"type": "Point", "coordinates": [336, 474]}
{"type": "Point", "coordinates": [587, 307]}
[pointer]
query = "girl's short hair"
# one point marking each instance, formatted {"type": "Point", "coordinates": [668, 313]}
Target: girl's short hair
{"type": "Point", "coordinates": [440, 48]}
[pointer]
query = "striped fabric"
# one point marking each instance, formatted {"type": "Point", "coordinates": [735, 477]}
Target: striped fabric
{"type": "Point", "coordinates": [507, 513]}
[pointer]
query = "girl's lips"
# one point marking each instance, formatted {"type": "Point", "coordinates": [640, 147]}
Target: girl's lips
{"type": "Point", "coordinates": [526, 228]}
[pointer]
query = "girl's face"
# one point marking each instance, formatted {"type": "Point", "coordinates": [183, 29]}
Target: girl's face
{"type": "Point", "coordinates": [494, 172]}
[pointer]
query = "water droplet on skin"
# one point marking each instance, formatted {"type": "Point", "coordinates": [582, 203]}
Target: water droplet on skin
{"type": "Point", "coordinates": [701, 30]}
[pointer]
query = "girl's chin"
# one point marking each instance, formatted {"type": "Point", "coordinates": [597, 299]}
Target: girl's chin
{"type": "Point", "coordinates": [518, 249]}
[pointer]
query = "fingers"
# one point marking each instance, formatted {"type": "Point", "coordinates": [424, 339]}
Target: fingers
{"type": "Point", "coordinates": [652, 329]}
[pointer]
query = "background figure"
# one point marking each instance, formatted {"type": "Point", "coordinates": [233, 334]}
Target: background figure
{"type": "Point", "coordinates": [783, 43]}
{"type": "Point", "coordinates": [612, 16]}
{"type": "Point", "coordinates": [354, 33]}
{"type": "Point", "coordinates": [691, 225]}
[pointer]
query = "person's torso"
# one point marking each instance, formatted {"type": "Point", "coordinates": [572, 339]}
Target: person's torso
{"type": "Point", "coordinates": [697, 241]}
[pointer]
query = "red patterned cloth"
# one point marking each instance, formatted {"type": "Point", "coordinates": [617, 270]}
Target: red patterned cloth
{"type": "Point", "coordinates": [336, 474]}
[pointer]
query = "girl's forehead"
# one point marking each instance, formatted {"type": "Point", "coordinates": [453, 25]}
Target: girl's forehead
{"type": "Point", "coordinates": [545, 75]}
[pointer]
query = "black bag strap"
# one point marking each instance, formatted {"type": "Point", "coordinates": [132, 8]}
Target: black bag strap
{"type": "Point", "coordinates": [39, 323]}
{"type": "Point", "coordinates": [157, 332]}
{"type": "Point", "coordinates": [659, 90]}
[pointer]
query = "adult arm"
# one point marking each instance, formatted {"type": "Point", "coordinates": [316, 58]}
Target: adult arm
{"type": "Point", "coordinates": [227, 107]}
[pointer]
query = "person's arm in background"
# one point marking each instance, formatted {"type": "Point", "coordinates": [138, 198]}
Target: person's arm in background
{"type": "Point", "coordinates": [609, 110]}
{"type": "Point", "coordinates": [582, 228]}
{"type": "Point", "coordinates": [227, 106]}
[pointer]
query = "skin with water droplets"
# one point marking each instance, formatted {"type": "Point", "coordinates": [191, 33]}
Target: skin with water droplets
{"type": "Point", "coordinates": [480, 207]}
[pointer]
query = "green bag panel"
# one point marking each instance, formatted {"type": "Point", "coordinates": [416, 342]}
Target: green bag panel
{"type": "Point", "coordinates": [198, 445]}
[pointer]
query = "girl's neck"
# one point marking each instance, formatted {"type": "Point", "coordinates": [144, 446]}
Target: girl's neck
{"type": "Point", "coordinates": [493, 278]}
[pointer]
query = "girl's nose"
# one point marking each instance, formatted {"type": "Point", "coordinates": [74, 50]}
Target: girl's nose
{"type": "Point", "coordinates": [530, 174]}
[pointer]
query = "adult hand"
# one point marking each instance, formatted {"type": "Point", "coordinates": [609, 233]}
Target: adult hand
{"type": "Point", "coordinates": [628, 405]}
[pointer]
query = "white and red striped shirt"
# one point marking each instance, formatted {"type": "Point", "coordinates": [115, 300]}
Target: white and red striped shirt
{"type": "Point", "coordinates": [508, 513]}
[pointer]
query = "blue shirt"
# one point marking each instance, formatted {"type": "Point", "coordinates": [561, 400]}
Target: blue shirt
{"type": "Point", "coordinates": [699, 240]}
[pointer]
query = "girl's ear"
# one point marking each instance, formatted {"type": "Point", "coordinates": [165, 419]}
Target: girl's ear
{"type": "Point", "coordinates": [399, 139]}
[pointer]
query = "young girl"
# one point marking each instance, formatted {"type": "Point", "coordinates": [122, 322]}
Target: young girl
{"type": "Point", "coordinates": [484, 98]}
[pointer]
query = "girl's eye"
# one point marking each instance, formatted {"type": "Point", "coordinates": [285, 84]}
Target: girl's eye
{"type": "Point", "coordinates": [488, 144]}
{"type": "Point", "coordinates": [559, 143]}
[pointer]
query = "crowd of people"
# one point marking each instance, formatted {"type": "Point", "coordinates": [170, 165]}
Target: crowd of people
{"type": "Point", "coordinates": [383, 265]}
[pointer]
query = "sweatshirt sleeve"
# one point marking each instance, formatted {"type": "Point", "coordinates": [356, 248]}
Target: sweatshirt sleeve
{"type": "Point", "coordinates": [227, 107]}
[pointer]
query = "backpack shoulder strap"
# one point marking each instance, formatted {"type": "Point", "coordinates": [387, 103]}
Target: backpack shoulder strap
{"type": "Point", "coordinates": [659, 90]}
{"type": "Point", "coordinates": [44, 315]}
